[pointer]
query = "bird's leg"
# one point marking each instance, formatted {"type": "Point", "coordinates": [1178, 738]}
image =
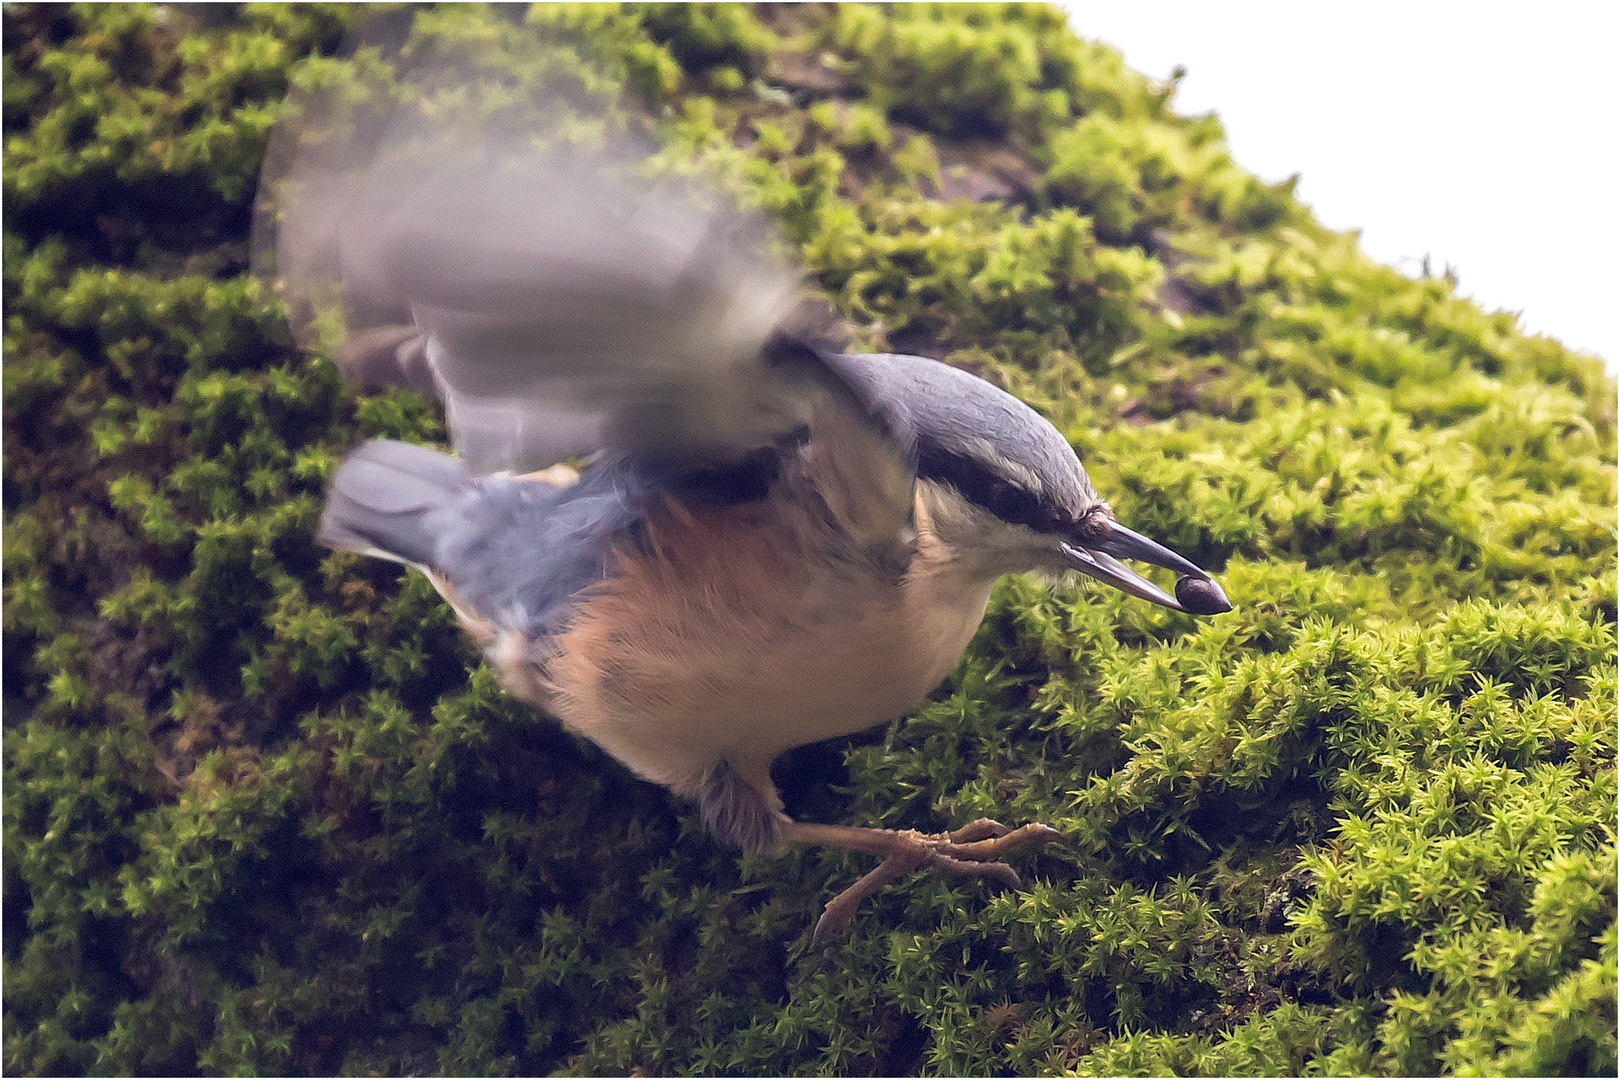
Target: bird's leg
{"type": "Point", "coordinates": [977, 849]}
{"type": "Point", "coordinates": [740, 806]}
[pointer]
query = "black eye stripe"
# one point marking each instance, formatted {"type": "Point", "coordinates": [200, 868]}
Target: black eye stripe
{"type": "Point", "coordinates": [980, 485]}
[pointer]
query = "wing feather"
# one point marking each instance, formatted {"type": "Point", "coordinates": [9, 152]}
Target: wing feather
{"type": "Point", "coordinates": [561, 300]}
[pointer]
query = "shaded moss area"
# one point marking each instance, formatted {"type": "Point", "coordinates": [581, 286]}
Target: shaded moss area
{"type": "Point", "coordinates": [266, 810]}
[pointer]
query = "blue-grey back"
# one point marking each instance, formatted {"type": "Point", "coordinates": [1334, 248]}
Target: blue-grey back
{"type": "Point", "coordinates": [518, 551]}
{"type": "Point", "coordinates": [514, 551]}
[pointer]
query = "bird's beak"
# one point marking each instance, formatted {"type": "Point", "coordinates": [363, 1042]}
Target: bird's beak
{"type": "Point", "coordinates": [1196, 592]}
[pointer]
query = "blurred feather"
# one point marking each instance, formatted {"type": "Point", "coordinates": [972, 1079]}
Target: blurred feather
{"type": "Point", "coordinates": [440, 231]}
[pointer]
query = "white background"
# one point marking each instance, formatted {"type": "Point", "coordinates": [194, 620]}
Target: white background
{"type": "Point", "coordinates": [1482, 135]}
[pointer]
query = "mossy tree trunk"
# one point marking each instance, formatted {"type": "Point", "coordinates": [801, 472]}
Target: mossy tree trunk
{"type": "Point", "coordinates": [265, 811]}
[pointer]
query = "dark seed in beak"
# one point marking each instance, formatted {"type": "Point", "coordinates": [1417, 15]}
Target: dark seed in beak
{"type": "Point", "coordinates": [1201, 596]}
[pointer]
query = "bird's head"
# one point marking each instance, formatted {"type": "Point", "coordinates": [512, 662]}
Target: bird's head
{"type": "Point", "coordinates": [1006, 490]}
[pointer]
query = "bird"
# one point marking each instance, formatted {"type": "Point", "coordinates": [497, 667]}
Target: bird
{"type": "Point", "coordinates": [765, 540]}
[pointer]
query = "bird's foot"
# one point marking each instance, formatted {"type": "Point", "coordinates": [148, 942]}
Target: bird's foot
{"type": "Point", "coordinates": [978, 849]}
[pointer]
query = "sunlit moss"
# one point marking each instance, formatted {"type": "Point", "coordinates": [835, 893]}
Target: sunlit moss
{"type": "Point", "coordinates": [266, 811]}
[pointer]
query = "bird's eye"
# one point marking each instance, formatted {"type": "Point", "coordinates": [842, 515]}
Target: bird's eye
{"type": "Point", "coordinates": [1012, 504]}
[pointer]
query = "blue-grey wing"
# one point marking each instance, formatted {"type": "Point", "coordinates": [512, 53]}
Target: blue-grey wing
{"type": "Point", "coordinates": [514, 551]}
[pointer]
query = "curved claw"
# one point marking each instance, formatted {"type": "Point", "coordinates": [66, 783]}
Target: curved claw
{"type": "Point", "coordinates": [982, 829]}
{"type": "Point", "coordinates": [998, 872]}
{"type": "Point", "coordinates": [998, 848]}
{"type": "Point", "coordinates": [975, 850]}
{"type": "Point", "coordinates": [840, 910]}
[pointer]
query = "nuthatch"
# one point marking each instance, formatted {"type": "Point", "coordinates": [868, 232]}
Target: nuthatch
{"type": "Point", "coordinates": [770, 542]}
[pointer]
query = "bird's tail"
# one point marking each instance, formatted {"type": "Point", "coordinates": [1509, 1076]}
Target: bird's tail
{"type": "Point", "coordinates": [382, 501]}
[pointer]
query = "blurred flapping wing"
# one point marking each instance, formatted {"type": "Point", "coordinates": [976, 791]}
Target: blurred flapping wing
{"type": "Point", "coordinates": [431, 231]}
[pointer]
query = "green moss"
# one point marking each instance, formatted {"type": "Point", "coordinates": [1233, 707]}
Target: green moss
{"type": "Point", "coordinates": [265, 810]}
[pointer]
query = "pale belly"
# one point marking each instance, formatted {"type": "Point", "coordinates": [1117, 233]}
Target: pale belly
{"type": "Point", "coordinates": [671, 676]}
